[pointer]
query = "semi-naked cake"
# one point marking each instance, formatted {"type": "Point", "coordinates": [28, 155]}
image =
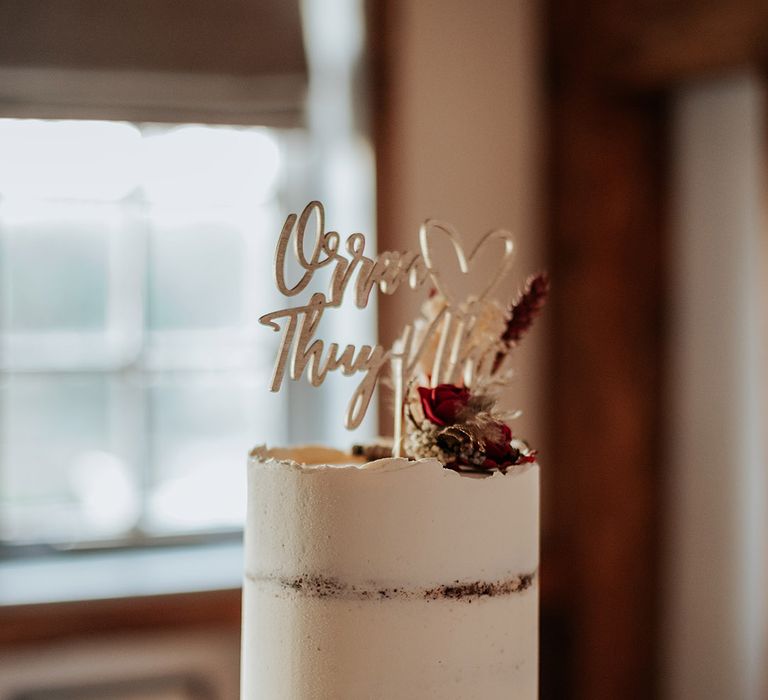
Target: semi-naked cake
{"type": "Point", "coordinates": [410, 571]}
{"type": "Point", "coordinates": [393, 578]}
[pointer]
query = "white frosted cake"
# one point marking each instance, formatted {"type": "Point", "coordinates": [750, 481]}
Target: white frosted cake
{"type": "Point", "coordinates": [390, 579]}
{"type": "Point", "coordinates": [415, 575]}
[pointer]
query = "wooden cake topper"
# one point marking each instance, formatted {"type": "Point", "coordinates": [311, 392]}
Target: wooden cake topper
{"type": "Point", "coordinates": [450, 339]}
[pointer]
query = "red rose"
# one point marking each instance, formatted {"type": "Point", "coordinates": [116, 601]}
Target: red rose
{"type": "Point", "coordinates": [497, 446]}
{"type": "Point", "coordinates": [443, 403]}
{"type": "Point", "coordinates": [499, 453]}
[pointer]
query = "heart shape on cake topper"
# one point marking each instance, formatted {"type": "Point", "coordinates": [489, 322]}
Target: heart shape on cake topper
{"type": "Point", "coordinates": [431, 228]}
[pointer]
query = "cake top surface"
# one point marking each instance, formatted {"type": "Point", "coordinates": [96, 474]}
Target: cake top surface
{"type": "Point", "coordinates": [317, 458]}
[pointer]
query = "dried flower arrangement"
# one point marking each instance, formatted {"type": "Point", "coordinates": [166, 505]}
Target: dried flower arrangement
{"type": "Point", "coordinates": [462, 427]}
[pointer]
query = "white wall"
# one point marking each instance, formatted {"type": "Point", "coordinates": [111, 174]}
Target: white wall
{"type": "Point", "coordinates": [715, 576]}
{"type": "Point", "coordinates": [464, 146]}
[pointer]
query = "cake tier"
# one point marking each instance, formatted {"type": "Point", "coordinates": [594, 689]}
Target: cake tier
{"type": "Point", "coordinates": [390, 579]}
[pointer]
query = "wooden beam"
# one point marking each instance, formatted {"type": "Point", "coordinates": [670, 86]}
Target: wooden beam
{"type": "Point", "coordinates": [26, 624]}
{"type": "Point", "coordinates": [607, 261]}
{"type": "Point", "coordinates": [607, 241]}
{"type": "Point", "coordinates": [658, 43]}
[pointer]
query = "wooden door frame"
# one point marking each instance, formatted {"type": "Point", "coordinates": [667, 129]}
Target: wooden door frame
{"type": "Point", "coordinates": [611, 68]}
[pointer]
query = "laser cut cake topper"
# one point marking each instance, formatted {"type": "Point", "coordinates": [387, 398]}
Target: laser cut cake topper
{"type": "Point", "coordinates": [460, 339]}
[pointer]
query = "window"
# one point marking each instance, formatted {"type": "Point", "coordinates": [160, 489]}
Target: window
{"type": "Point", "coordinates": [130, 288]}
{"type": "Point", "coordinates": [135, 256]}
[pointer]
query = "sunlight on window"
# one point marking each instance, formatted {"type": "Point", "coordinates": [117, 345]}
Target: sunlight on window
{"type": "Point", "coordinates": [88, 160]}
{"type": "Point", "coordinates": [218, 165]}
{"type": "Point", "coordinates": [105, 488]}
{"type": "Point", "coordinates": [132, 379]}
{"type": "Point", "coordinates": [185, 501]}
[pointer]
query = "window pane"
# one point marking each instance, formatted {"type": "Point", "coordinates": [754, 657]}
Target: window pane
{"type": "Point", "coordinates": [133, 371]}
{"type": "Point", "coordinates": [70, 285]}
{"type": "Point", "coordinates": [201, 430]}
{"type": "Point", "coordinates": [196, 271]}
{"type": "Point", "coordinates": [83, 160]}
{"type": "Point", "coordinates": [67, 471]}
{"type": "Point", "coordinates": [215, 165]}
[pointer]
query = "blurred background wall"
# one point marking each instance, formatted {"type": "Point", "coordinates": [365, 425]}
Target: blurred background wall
{"type": "Point", "coordinates": [716, 505]}
{"type": "Point", "coordinates": [460, 139]}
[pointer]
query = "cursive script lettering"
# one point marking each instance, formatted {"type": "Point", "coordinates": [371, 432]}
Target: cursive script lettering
{"type": "Point", "coordinates": [463, 352]}
{"type": "Point", "coordinates": [389, 270]}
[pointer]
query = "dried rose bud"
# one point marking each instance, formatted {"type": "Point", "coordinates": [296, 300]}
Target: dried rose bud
{"type": "Point", "coordinates": [443, 403]}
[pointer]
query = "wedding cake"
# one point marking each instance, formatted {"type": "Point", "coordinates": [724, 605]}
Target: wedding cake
{"type": "Point", "coordinates": [408, 570]}
{"type": "Point", "coordinates": [389, 579]}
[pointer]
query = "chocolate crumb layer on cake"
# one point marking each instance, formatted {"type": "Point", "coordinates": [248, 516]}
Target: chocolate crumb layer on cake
{"type": "Point", "coordinates": [329, 587]}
